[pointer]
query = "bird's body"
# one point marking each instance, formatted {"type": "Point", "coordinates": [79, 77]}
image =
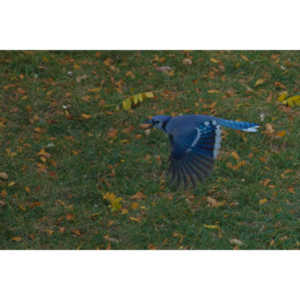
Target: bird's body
{"type": "Point", "coordinates": [195, 141]}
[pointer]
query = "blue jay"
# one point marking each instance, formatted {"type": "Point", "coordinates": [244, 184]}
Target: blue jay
{"type": "Point", "coordinates": [195, 141]}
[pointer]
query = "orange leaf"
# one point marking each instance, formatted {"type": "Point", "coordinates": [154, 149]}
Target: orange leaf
{"type": "Point", "coordinates": [291, 190]}
{"type": "Point", "coordinates": [4, 193]}
{"type": "Point", "coordinates": [76, 232]}
{"type": "Point", "coordinates": [16, 238]}
{"type": "Point", "coordinates": [281, 133]}
{"type": "Point", "coordinates": [138, 195]}
{"type": "Point", "coordinates": [44, 153]}
{"type": "Point", "coordinates": [108, 61]}
{"type": "Point", "coordinates": [112, 133]}
{"type": "Point", "coordinates": [86, 116]}
{"type": "Point", "coordinates": [235, 155]}
{"type": "Point", "coordinates": [70, 217]}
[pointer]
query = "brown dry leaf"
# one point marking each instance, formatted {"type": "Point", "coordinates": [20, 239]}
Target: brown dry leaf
{"type": "Point", "coordinates": [124, 211]}
{"type": "Point", "coordinates": [283, 175]}
{"type": "Point", "coordinates": [138, 195]}
{"type": "Point", "coordinates": [49, 231]}
{"type": "Point", "coordinates": [245, 58]}
{"type": "Point", "coordinates": [263, 201]}
{"type": "Point", "coordinates": [108, 61]}
{"type": "Point", "coordinates": [70, 217]}
{"type": "Point", "coordinates": [112, 133]}
{"type": "Point", "coordinates": [164, 69]}
{"type": "Point", "coordinates": [269, 129]}
{"type": "Point", "coordinates": [279, 84]}
{"type": "Point", "coordinates": [130, 74]}
{"type": "Point", "coordinates": [187, 61]}
{"type": "Point", "coordinates": [76, 232]}
{"type": "Point", "coordinates": [3, 175]}
{"type": "Point", "coordinates": [266, 181]}
{"type": "Point", "coordinates": [291, 190]}
{"type": "Point", "coordinates": [236, 242]}
{"type": "Point", "coordinates": [16, 239]}
{"type": "Point", "coordinates": [82, 77]}
{"type": "Point", "coordinates": [27, 189]}
{"type": "Point", "coordinates": [2, 203]}
{"type": "Point", "coordinates": [145, 126]}
{"type": "Point", "coordinates": [35, 204]}
{"type": "Point", "coordinates": [3, 193]}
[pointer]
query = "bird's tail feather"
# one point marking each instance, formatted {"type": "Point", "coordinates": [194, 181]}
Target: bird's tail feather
{"type": "Point", "coordinates": [244, 126]}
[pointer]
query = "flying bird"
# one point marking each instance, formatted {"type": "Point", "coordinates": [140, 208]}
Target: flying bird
{"type": "Point", "coordinates": [195, 142]}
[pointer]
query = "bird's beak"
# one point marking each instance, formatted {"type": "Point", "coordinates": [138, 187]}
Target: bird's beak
{"type": "Point", "coordinates": [147, 124]}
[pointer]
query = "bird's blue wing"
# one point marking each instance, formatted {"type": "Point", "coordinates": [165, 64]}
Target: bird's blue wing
{"type": "Point", "coordinates": [193, 152]}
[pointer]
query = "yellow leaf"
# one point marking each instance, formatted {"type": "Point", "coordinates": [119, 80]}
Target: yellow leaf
{"type": "Point", "coordinates": [245, 58]}
{"type": "Point", "coordinates": [263, 201]}
{"type": "Point", "coordinates": [124, 211]}
{"type": "Point", "coordinates": [213, 91]}
{"type": "Point", "coordinates": [138, 220]}
{"type": "Point", "coordinates": [94, 90]}
{"type": "Point", "coordinates": [259, 82]}
{"type": "Point", "coordinates": [3, 175]}
{"type": "Point", "coordinates": [86, 116]}
{"type": "Point", "coordinates": [11, 183]}
{"type": "Point", "coordinates": [134, 205]}
{"type": "Point", "coordinates": [211, 226]}
{"type": "Point", "coordinates": [149, 94]}
{"type": "Point", "coordinates": [235, 155]}
{"type": "Point", "coordinates": [282, 96]}
{"type": "Point", "coordinates": [126, 104]}
{"type": "Point", "coordinates": [44, 153]}
{"type": "Point", "coordinates": [213, 60]}
{"type": "Point", "coordinates": [16, 238]}
{"type": "Point", "coordinates": [292, 101]}
{"type": "Point", "coordinates": [27, 189]}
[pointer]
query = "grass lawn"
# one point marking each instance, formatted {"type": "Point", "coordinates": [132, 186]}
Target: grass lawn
{"type": "Point", "coordinates": [75, 173]}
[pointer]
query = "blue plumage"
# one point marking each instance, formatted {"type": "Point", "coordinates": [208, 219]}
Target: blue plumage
{"type": "Point", "coordinates": [195, 141]}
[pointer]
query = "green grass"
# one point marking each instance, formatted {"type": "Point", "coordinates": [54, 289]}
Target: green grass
{"type": "Point", "coordinates": [55, 200]}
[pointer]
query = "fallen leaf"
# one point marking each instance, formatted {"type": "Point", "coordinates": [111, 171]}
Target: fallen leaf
{"type": "Point", "coordinates": [138, 195]}
{"type": "Point", "coordinates": [134, 205]}
{"type": "Point", "coordinates": [236, 242]}
{"type": "Point", "coordinates": [211, 226]}
{"type": "Point", "coordinates": [213, 60]}
{"type": "Point", "coordinates": [3, 175]}
{"type": "Point", "coordinates": [213, 91]}
{"type": "Point", "coordinates": [86, 116]}
{"type": "Point", "coordinates": [108, 61]}
{"type": "Point", "coordinates": [291, 190]}
{"type": "Point", "coordinates": [76, 232]}
{"type": "Point", "coordinates": [130, 74]}
{"type": "Point", "coordinates": [235, 155]}
{"type": "Point", "coordinates": [138, 220]}
{"type": "Point", "coordinates": [16, 238]}
{"type": "Point", "coordinates": [263, 201]}
{"type": "Point", "coordinates": [112, 133]}
{"type": "Point", "coordinates": [282, 96]}
{"type": "Point", "coordinates": [187, 61]}
{"type": "Point", "coordinates": [70, 217]}
{"type": "Point", "coordinates": [259, 82]}
{"type": "Point", "coordinates": [82, 77]}
{"type": "Point", "coordinates": [269, 129]}
{"type": "Point", "coordinates": [164, 69]}
{"type": "Point", "coordinates": [281, 133]}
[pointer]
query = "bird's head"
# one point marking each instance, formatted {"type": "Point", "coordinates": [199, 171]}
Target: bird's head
{"type": "Point", "coordinates": [159, 122]}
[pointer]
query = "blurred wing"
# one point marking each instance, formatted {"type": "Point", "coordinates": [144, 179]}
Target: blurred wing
{"type": "Point", "coordinates": [193, 153]}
